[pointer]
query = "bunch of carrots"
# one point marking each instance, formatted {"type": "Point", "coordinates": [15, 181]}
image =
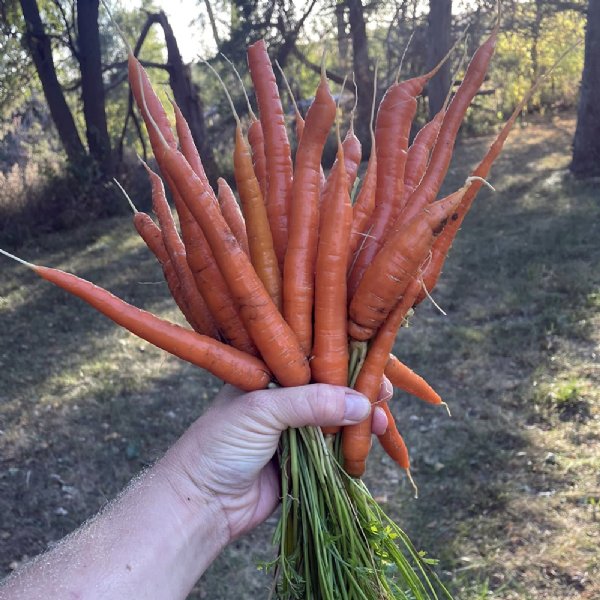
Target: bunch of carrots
{"type": "Point", "coordinates": [302, 285]}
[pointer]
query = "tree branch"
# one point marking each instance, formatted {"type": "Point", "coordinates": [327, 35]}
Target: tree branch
{"type": "Point", "coordinates": [335, 77]}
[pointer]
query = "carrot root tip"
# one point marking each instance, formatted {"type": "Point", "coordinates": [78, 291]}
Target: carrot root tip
{"type": "Point", "coordinates": [447, 408]}
{"type": "Point", "coordinates": [470, 180]}
{"type": "Point", "coordinates": [23, 262]}
{"type": "Point", "coordinates": [412, 482]}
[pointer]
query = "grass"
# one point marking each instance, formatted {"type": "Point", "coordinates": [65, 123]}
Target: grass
{"type": "Point", "coordinates": [509, 488]}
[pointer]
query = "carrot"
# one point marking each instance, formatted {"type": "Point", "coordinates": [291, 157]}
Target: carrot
{"type": "Point", "coordinates": [240, 369]}
{"type": "Point", "coordinates": [188, 147]}
{"type": "Point", "coordinates": [406, 379]}
{"type": "Point", "coordinates": [429, 186]}
{"type": "Point", "coordinates": [256, 139]}
{"type": "Point", "coordinates": [277, 146]}
{"type": "Point", "coordinates": [329, 362]}
{"type": "Point", "coordinates": [298, 118]}
{"type": "Point", "coordinates": [356, 439]}
{"type": "Point", "coordinates": [272, 335]}
{"type": "Point", "coordinates": [298, 273]}
{"type": "Point", "coordinates": [176, 251]}
{"type": "Point", "coordinates": [391, 441]}
{"type": "Point", "coordinates": [151, 107]}
{"type": "Point", "coordinates": [396, 265]}
{"type": "Point", "coordinates": [260, 240]}
{"type": "Point", "coordinates": [420, 150]}
{"type": "Point", "coordinates": [365, 201]}
{"type": "Point", "coordinates": [152, 236]}
{"type": "Point", "coordinates": [418, 153]}
{"type": "Point", "coordinates": [207, 276]}
{"type": "Point", "coordinates": [232, 213]}
{"type": "Point", "coordinates": [442, 245]}
{"type": "Point", "coordinates": [394, 117]}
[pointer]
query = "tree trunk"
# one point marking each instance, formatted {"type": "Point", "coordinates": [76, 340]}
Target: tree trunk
{"type": "Point", "coordinates": [362, 72]}
{"type": "Point", "coordinates": [342, 40]}
{"type": "Point", "coordinates": [439, 35]}
{"type": "Point", "coordinates": [92, 87]}
{"type": "Point", "coordinates": [185, 92]}
{"type": "Point", "coordinates": [38, 44]}
{"type": "Point", "coordinates": [586, 145]}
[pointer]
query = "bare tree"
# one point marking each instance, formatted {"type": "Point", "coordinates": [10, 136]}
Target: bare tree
{"type": "Point", "coordinates": [362, 71]}
{"type": "Point", "coordinates": [439, 42]}
{"type": "Point", "coordinates": [586, 145]}
{"type": "Point", "coordinates": [40, 48]}
{"type": "Point", "coordinates": [89, 56]}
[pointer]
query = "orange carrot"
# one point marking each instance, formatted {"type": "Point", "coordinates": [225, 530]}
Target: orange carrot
{"type": "Point", "coordinates": [396, 265]}
{"type": "Point", "coordinates": [356, 439]}
{"type": "Point", "coordinates": [329, 362]}
{"type": "Point", "coordinates": [429, 186]}
{"type": "Point", "coordinates": [298, 274]}
{"type": "Point", "coordinates": [207, 276]}
{"type": "Point", "coordinates": [176, 250]}
{"type": "Point", "coordinates": [152, 237]}
{"type": "Point", "coordinates": [418, 154]}
{"type": "Point", "coordinates": [406, 379]}
{"type": "Point", "coordinates": [277, 146]}
{"type": "Point", "coordinates": [188, 147]}
{"type": "Point", "coordinates": [392, 442]}
{"type": "Point", "coordinates": [227, 363]}
{"type": "Point", "coordinates": [273, 337]}
{"type": "Point", "coordinates": [232, 213]}
{"type": "Point", "coordinates": [442, 245]}
{"type": "Point", "coordinates": [260, 240]}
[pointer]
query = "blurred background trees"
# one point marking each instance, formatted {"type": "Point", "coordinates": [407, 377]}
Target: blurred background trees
{"type": "Point", "coordinates": [67, 124]}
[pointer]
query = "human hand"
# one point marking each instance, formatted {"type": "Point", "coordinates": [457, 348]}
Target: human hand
{"type": "Point", "coordinates": [226, 456]}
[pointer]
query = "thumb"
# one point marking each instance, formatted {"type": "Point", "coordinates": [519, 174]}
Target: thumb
{"type": "Point", "coordinates": [317, 404]}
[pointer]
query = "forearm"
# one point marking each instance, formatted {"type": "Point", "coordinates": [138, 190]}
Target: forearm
{"type": "Point", "coordinates": [154, 541]}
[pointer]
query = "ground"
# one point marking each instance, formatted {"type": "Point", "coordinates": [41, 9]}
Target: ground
{"type": "Point", "coordinates": [509, 486]}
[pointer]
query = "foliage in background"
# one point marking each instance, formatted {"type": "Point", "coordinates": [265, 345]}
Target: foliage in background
{"type": "Point", "coordinates": [534, 34]}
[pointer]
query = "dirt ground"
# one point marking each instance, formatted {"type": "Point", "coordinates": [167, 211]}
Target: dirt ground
{"type": "Point", "coordinates": [509, 486]}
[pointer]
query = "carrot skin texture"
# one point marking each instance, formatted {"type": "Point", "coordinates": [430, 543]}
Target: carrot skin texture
{"type": "Point", "coordinates": [260, 241]}
{"type": "Point", "coordinates": [395, 266]}
{"type": "Point", "coordinates": [176, 251]}
{"type": "Point", "coordinates": [273, 337]}
{"type": "Point", "coordinates": [256, 139]}
{"type": "Point", "coordinates": [329, 356]}
{"type": "Point", "coordinates": [352, 157]}
{"type": "Point", "coordinates": [391, 441]}
{"type": "Point", "coordinates": [244, 371]}
{"type": "Point", "coordinates": [232, 213]}
{"type": "Point", "coordinates": [277, 146]}
{"type": "Point", "coordinates": [188, 147]}
{"type": "Point", "coordinates": [419, 152]}
{"type": "Point", "coordinates": [356, 439]}
{"type": "Point", "coordinates": [363, 207]}
{"type": "Point", "coordinates": [300, 258]}
{"type": "Point", "coordinates": [406, 379]}
{"type": "Point", "coordinates": [152, 236]}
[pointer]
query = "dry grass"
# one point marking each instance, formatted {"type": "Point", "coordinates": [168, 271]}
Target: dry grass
{"type": "Point", "coordinates": [509, 486]}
